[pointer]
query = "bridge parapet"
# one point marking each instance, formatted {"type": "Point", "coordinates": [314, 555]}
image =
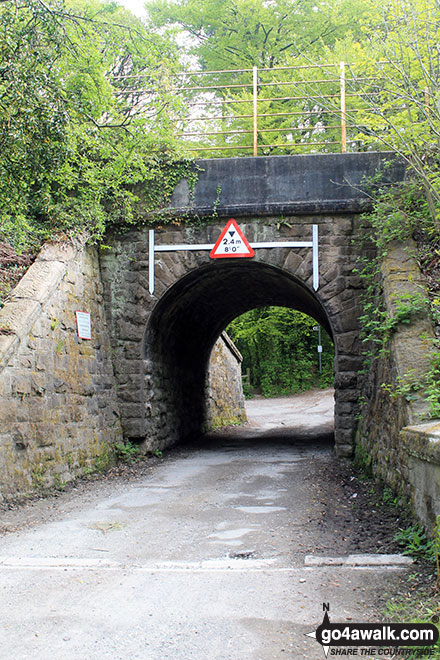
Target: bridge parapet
{"type": "Point", "coordinates": [272, 185]}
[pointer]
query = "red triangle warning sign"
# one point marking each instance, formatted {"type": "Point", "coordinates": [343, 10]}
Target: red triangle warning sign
{"type": "Point", "coordinates": [231, 243]}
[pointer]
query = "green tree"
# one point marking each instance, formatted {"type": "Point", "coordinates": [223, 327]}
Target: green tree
{"type": "Point", "coordinates": [279, 348]}
{"type": "Point", "coordinates": [230, 34]}
{"type": "Point", "coordinates": [85, 110]}
{"type": "Point", "coordinates": [393, 87]}
{"type": "Point", "coordinates": [392, 50]}
{"type": "Point", "coordinates": [403, 110]}
{"type": "Point", "coordinates": [240, 34]}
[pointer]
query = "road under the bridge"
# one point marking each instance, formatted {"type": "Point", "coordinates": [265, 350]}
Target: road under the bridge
{"type": "Point", "coordinates": [211, 555]}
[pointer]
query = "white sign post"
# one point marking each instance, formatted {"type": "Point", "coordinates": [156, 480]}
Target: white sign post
{"type": "Point", "coordinates": [153, 248]}
{"type": "Point", "coordinates": [317, 328]}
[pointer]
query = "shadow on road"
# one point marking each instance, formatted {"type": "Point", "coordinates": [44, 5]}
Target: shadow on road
{"type": "Point", "coordinates": [304, 420]}
{"type": "Point", "coordinates": [244, 437]}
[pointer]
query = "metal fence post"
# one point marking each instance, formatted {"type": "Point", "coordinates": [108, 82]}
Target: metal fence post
{"type": "Point", "coordinates": [315, 257]}
{"type": "Point", "coordinates": [343, 109]}
{"type": "Point", "coordinates": [255, 112]}
{"type": "Point", "coordinates": [151, 261]}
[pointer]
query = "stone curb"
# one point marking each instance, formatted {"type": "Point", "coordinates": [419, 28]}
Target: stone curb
{"type": "Point", "coordinates": [358, 560]}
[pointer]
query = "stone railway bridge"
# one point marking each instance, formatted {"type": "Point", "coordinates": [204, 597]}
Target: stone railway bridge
{"type": "Point", "coordinates": [142, 374]}
{"type": "Point", "coordinates": [162, 341]}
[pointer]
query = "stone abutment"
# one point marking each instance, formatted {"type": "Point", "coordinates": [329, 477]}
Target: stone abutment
{"type": "Point", "coordinates": [143, 376]}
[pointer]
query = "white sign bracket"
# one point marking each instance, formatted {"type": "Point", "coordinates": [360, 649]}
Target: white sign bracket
{"type": "Point", "coordinates": [153, 248]}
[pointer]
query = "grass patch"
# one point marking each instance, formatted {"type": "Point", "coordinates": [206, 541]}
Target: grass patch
{"type": "Point", "coordinates": [418, 604]}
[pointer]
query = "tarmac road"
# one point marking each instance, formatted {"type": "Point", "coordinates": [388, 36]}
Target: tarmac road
{"type": "Point", "coordinates": [205, 559]}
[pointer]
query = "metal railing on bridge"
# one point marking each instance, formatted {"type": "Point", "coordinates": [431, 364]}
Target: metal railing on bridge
{"type": "Point", "coordinates": [304, 107]}
{"type": "Point", "coordinates": [307, 108]}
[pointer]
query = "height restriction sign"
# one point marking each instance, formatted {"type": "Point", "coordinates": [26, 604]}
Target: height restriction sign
{"type": "Point", "coordinates": [231, 243]}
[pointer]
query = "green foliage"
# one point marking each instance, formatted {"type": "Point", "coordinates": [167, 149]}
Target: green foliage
{"type": "Point", "coordinates": [126, 452]}
{"type": "Point", "coordinates": [432, 385]}
{"type": "Point", "coordinates": [398, 213]}
{"type": "Point", "coordinates": [363, 460]}
{"type": "Point", "coordinates": [416, 544]}
{"type": "Point", "coordinates": [247, 389]}
{"type": "Point", "coordinates": [392, 51]}
{"type": "Point", "coordinates": [279, 350]}
{"type": "Point", "coordinates": [394, 87]}
{"type": "Point", "coordinates": [85, 111]}
{"type": "Point", "coordinates": [379, 325]}
{"type": "Point", "coordinates": [102, 462]}
{"type": "Point", "coordinates": [406, 386]}
{"type": "Point", "coordinates": [389, 497]}
{"type": "Point", "coordinates": [227, 34]}
{"type": "Point", "coordinates": [406, 114]}
{"type": "Point", "coordinates": [418, 606]}
{"type": "Point", "coordinates": [398, 210]}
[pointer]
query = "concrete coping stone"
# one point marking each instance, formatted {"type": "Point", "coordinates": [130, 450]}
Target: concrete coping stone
{"type": "Point", "coordinates": [272, 185]}
{"type": "Point", "coordinates": [423, 441]}
{"type": "Point", "coordinates": [231, 346]}
{"type": "Point", "coordinates": [358, 560]}
{"type": "Point", "coordinates": [62, 251]}
{"type": "Point", "coordinates": [25, 301]}
{"type": "Point", "coordinates": [8, 345]}
{"type": "Point", "coordinates": [17, 315]}
{"type": "Point", "coordinates": [39, 281]}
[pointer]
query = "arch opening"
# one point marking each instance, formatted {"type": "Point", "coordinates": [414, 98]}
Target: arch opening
{"type": "Point", "coordinates": [283, 352]}
{"type": "Point", "coordinates": [185, 324]}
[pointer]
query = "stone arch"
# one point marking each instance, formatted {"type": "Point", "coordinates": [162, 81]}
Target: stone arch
{"type": "Point", "coordinates": [187, 320]}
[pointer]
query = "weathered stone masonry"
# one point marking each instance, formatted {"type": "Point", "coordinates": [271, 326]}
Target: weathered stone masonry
{"type": "Point", "coordinates": [225, 400]}
{"type": "Point", "coordinates": [58, 406]}
{"type": "Point", "coordinates": [168, 336]}
{"type": "Point", "coordinates": [64, 401]}
{"type": "Point", "coordinates": [59, 410]}
{"type": "Point", "coordinates": [404, 452]}
{"type": "Point", "coordinates": [272, 198]}
{"type": "Point", "coordinates": [161, 343]}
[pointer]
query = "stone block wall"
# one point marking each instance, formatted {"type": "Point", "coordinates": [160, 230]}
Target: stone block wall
{"type": "Point", "coordinates": [127, 306]}
{"type": "Point", "coordinates": [400, 455]}
{"type": "Point", "coordinates": [59, 404]}
{"type": "Point", "coordinates": [158, 339]}
{"type": "Point", "coordinates": [226, 404]}
{"type": "Point", "coordinates": [421, 443]}
{"type": "Point", "coordinates": [58, 409]}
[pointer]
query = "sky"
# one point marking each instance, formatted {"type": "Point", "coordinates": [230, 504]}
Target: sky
{"type": "Point", "coordinates": [135, 6]}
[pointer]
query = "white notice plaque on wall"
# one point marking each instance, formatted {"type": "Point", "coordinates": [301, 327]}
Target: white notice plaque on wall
{"type": "Point", "coordinates": [84, 325]}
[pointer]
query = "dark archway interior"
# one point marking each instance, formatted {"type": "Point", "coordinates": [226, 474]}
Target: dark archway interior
{"type": "Point", "coordinates": [190, 316]}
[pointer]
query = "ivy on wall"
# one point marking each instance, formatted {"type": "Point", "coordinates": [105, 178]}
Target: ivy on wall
{"type": "Point", "coordinates": [400, 213]}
